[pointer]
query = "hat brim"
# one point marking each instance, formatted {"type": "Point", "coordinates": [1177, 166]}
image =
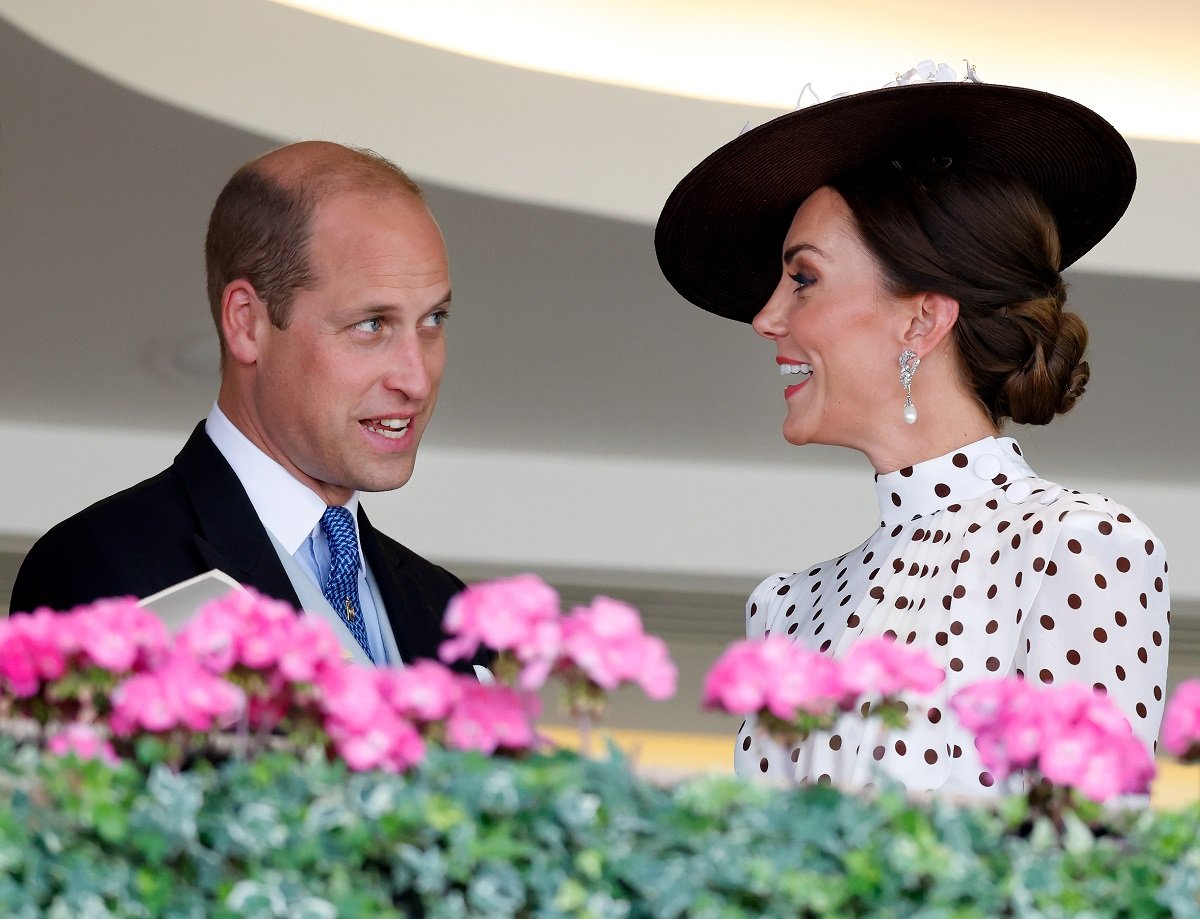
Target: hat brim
{"type": "Point", "coordinates": [720, 234]}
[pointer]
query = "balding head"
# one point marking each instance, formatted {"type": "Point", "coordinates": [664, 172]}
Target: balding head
{"type": "Point", "coordinates": [260, 226]}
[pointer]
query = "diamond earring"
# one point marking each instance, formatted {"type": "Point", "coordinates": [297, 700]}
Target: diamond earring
{"type": "Point", "coordinates": [909, 362]}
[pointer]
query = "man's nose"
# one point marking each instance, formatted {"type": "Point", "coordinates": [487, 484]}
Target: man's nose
{"type": "Point", "coordinates": [411, 369]}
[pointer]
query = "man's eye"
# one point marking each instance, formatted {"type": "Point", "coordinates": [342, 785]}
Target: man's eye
{"type": "Point", "coordinates": [436, 319]}
{"type": "Point", "coordinates": [369, 325]}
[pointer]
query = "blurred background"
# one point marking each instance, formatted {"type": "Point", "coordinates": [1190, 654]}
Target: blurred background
{"type": "Point", "coordinates": [593, 427]}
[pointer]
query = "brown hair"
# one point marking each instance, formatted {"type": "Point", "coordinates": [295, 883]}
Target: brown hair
{"type": "Point", "coordinates": [260, 226]}
{"type": "Point", "coordinates": [987, 241]}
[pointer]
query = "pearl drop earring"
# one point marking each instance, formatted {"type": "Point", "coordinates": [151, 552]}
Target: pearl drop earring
{"type": "Point", "coordinates": [909, 362]}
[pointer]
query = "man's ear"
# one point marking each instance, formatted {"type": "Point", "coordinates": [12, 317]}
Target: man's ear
{"type": "Point", "coordinates": [243, 321]}
{"type": "Point", "coordinates": [931, 317]}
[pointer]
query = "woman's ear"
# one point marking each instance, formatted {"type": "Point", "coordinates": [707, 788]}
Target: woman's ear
{"type": "Point", "coordinates": [242, 317]}
{"type": "Point", "coordinates": [931, 318]}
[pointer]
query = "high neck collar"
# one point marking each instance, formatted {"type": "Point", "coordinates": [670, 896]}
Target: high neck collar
{"type": "Point", "coordinates": [958, 476]}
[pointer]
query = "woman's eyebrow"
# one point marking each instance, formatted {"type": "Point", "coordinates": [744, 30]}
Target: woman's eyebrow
{"type": "Point", "coordinates": [792, 251]}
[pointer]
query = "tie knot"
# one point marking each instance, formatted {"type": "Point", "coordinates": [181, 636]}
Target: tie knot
{"type": "Point", "coordinates": [338, 527]}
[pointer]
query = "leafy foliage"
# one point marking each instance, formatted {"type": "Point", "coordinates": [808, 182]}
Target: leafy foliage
{"type": "Point", "coordinates": [547, 836]}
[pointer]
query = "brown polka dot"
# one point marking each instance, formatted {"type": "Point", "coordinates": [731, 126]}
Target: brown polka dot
{"type": "Point", "coordinates": [1100, 635]}
{"type": "Point", "coordinates": [1073, 656]}
{"type": "Point", "coordinates": [931, 756]}
{"type": "Point", "coordinates": [1003, 525]}
{"type": "Point", "coordinates": [974, 528]}
{"type": "Point", "coordinates": [1074, 601]}
{"type": "Point", "coordinates": [1149, 546]}
{"type": "Point", "coordinates": [1018, 578]}
{"type": "Point", "coordinates": [1156, 637]}
{"type": "Point", "coordinates": [825, 645]}
{"type": "Point", "coordinates": [753, 608]}
{"type": "Point", "coordinates": [1104, 527]}
{"type": "Point", "coordinates": [993, 664]}
{"type": "Point", "coordinates": [763, 764]}
{"type": "Point", "coordinates": [895, 499]}
{"type": "Point", "coordinates": [824, 779]}
{"type": "Point", "coordinates": [913, 569]}
{"type": "Point", "coordinates": [956, 664]}
{"type": "Point", "coordinates": [934, 715]}
{"type": "Point", "coordinates": [746, 743]}
{"type": "Point", "coordinates": [1101, 582]}
{"type": "Point", "coordinates": [877, 593]}
{"type": "Point", "coordinates": [1120, 618]}
{"type": "Point", "coordinates": [1140, 708]}
{"type": "Point", "coordinates": [1122, 564]}
{"type": "Point", "coordinates": [1158, 585]}
{"type": "Point", "coordinates": [1100, 689]}
{"type": "Point", "coordinates": [986, 780]}
{"type": "Point", "coordinates": [1142, 600]}
{"type": "Point", "coordinates": [991, 594]}
{"type": "Point", "coordinates": [995, 557]}
{"type": "Point", "coordinates": [1158, 694]}
{"type": "Point", "coordinates": [878, 752]}
{"type": "Point", "coordinates": [959, 460]}
{"type": "Point", "coordinates": [941, 638]}
{"type": "Point", "coordinates": [784, 589]}
{"type": "Point", "coordinates": [1120, 672]}
{"type": "Point", "coordinates": [1124, 518]}
{"type": "Point", "coordinates": [956, 628]}
{"type": "Point", "coordinates": [959, 592]}
{"type": "Point", "coordinates": [1052, 569]}
{"type": "Point", "coordinates": [792, 628]}
{"type": "Point", "coordinates": [991, 627]}
{"type": "Point", "coordinates": [1039, 563]}
{"type": "Point", "coordinates": [853, 621]}
{"type": "Point", "coordinates": [907, 471]}
{"type": "Point", "coordinates": [1000, 479]}
{"type": "Point", "coordinates": [992, 504]}
{"type": "Point", "coordinates": [1143, 656]}
{"type": "Point", "coordinates": [941, 490]}
{"type": "Point", "coordinates": [1074, 546]}
{"type": "Point", "coordinates": [835, 742]}
{"type": "Point", "coordinates": [1038, 526]}
{"type": "Point", "coordinates": [1016, 540]}
{"type": "Point", "coordinates": [946, 601]}
{"type": "Point", "coordinates": [796, 755]}
{"type": "Point", "coordinates": [901, 747]}
{"type": "Point", "coordinates": [898, 565]}
{"type": "Point", "coordinates": [1045, 676]}
{"type": "Point", "coordinates": [957, 751]}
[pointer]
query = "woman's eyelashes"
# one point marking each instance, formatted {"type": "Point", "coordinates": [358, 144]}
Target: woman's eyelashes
{"type": "Point", "coordinates": [802, 280]}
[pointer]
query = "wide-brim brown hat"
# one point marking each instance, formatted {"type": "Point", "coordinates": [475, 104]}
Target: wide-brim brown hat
{"type": "Point", "coordinates": [720, 235]}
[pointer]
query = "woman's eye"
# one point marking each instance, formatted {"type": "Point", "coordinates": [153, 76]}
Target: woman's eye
{"type": "Point", "coordinates": [803, 280]}
{"type": "Point", "coordinates": [369, 325]}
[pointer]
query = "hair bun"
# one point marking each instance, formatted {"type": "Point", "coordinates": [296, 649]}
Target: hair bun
{"type": "Point", "coordinates": [1055, 374]}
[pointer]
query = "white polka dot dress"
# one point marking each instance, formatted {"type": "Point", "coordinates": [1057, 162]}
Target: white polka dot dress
{"type": "Point", "coordinates": [994, 572]}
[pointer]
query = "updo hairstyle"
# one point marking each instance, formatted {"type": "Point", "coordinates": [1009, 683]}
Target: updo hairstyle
{"type": "Point", "coordinates": [987, 241]}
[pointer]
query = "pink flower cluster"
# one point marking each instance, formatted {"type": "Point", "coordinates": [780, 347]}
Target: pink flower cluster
{"type": "Point", "coordinates": [116, 636]}
{"type": "Point", "coordinates": [1181, 722]}
{"type": "Point", "coordinates": [794, 690]}
{"type": "Point", "coordinates": [1072, 735]}
{"type": "Point", "coordinates": [243, 662]}
{"type": "Point", "coordinates": [602, 644]}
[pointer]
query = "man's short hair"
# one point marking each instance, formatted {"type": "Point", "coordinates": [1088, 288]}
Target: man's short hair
{"type": "Point", "coordinates": [260, 226]}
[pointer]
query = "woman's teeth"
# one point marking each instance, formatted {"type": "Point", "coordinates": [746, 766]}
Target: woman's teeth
{"type": "Point", "coordinates": [393, 428]}
{"type": "Point", "coordinates": [804, 370]}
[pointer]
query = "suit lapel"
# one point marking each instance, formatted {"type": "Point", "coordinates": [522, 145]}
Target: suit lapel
{"type": "Point", "coordinates": [229, 534]}
{"type": "Point", "coordinates": [412, 608]}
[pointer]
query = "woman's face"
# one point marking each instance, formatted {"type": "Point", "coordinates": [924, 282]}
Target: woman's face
{"type": "Point", "coordinates": [838, 332]}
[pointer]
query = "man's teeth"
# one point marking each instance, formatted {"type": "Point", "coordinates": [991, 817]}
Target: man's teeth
{"type": "Point", "coordinates": [389, 427]}
{"type": "Point", "coordinates": [792, 369]}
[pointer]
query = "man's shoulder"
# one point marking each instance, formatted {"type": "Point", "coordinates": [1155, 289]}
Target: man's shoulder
{"type": "Point", "coordinates": [404, 559]}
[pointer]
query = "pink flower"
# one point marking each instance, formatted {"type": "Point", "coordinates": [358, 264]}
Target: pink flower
{"type": "Point", "coordinates": [519, 614]}
{"type": "Point", "coordinates": [1181, 723]}
{"type": "Point", "coordinates": [1076, 737]}
{"type": "Point", "coordinates": [606, 642]}
{"type": "Point", "coordinates": [181, 694]}
{"type": "Point", "coordinates": [118, 635]}
{"type": "Point", "coordinates": [424, 691]}
{"type": "Point", "coordinates": [775, 675]}
{"type": "Point", "coordinates": [84, 741]}
{"type": "Point", "coordinates": [388, 742]}
{"type": "Point", "coordinates": [880, 667]}
{"type": "Point", "coordinates": [488, 718]}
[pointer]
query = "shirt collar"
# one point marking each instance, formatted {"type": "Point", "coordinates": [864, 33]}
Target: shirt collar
{"type": "Point", "coordinates": [958, 476]}
{"type": "Point", "coordinates": [289, 509]}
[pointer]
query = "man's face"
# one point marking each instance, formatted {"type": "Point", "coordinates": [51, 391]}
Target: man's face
{"type": "Point", "coordinates": [341, 396]}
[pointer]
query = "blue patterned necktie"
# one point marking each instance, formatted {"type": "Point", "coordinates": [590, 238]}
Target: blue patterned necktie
{"type": "Point", "coordinates": [341, 587]}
